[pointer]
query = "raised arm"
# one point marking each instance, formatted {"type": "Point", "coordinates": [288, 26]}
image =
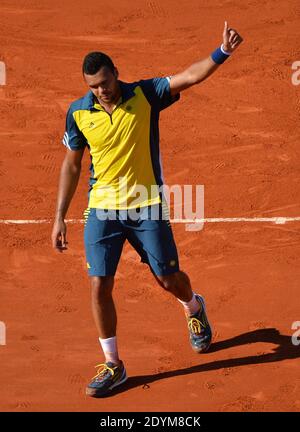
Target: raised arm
{"type": "Point", "coordinates": [202, 69]}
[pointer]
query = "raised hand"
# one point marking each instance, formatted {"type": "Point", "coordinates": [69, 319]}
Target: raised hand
{"type": "Point", "coordinates": [231, 38]}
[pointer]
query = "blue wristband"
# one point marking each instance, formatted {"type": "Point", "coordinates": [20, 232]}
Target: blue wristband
{"type": "Point", "coordinates": [219, 55]}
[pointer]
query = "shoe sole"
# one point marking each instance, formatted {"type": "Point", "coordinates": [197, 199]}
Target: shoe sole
{"type": "Point", "coordinates": [96, 393]}
{"type": "Point", "coordinates": [203, 350]}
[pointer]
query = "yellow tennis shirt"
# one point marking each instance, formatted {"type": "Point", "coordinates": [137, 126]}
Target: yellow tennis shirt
{"type": "Point", "coordinates": [125, 166]}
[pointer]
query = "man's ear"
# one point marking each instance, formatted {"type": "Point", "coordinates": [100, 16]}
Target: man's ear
{"type": "Point", "coordinates": [116, 73]}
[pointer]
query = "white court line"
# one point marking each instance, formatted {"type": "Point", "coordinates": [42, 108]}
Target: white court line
{"type": "Point", "coordinates": [277, 220]}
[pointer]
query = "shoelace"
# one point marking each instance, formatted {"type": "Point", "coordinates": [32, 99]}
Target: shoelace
{"type": "Point", "coordinates": [103, 369]}
{"type": "Point", "coordinates": [195, 325]}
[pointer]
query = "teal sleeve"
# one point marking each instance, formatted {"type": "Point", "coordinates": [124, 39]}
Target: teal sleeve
{"type": "Point", "coordinates": [157, 92]}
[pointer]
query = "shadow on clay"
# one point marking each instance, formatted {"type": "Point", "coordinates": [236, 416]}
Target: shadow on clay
{"type": "Point", "coordinates": [284, 350]}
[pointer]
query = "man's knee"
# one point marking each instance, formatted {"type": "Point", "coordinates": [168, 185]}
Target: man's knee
{"type": "Point", "coordinates": [102, 286]}
{"type": "Point", "coordinates": [183, 278]}
{"type": "Point", "coordinates": [168, 282]}
{"type": "Point", "coordinates": [174, 281]}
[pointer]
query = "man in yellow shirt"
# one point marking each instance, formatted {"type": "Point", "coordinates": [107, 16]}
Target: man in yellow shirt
{"type": "Point", "coordinates": [118, 123]}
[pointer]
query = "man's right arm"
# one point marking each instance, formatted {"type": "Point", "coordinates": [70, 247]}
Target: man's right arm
{"type": "Point", "coordinates": [69, 176]}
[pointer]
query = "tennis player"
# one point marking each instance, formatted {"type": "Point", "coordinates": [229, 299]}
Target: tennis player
{"type": "Point", "coordinates": [118, 123]}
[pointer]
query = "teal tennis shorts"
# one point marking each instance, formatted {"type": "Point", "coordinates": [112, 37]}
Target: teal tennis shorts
{"type": "Point", "coordinates": [147, 229]}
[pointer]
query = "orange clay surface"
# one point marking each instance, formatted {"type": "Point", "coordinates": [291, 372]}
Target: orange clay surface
{"type": "Point", "coordinates": [237, 134]}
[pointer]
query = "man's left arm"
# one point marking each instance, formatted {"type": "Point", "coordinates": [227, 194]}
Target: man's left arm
{"type": "Point", "coordinates": [202, 69]}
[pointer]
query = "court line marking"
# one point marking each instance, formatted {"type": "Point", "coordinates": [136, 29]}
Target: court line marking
{"type": "Point", "coordinates": [280, 220]}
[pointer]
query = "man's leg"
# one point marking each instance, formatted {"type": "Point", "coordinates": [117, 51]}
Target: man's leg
{"type": "Point", "coordinates": [104, 240]}
{"type": "Point", "coordinates": [153, 240]}
{"type": "Point", "coordinates": [103, 308]}
{"type": "Point", "coordinates": [112, 373]}
{"type": "Point", "coordinates": [179, 285]}
{"type": "Point", "coordinates": [105, 316]}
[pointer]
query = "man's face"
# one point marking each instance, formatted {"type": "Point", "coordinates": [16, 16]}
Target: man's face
{"type": "Point", "coordinates": [104, 84]}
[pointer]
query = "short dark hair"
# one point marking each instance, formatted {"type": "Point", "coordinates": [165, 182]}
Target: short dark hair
{"type": "Point", "coordinates": [94, 61]}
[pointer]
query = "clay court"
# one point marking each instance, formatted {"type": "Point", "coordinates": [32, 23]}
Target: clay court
{"type": "Point", "coordinates": [237, 134]}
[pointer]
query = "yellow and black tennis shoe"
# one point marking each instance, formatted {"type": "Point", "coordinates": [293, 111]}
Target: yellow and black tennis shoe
{"type": "Point", "coordinates": [199, 328]}
{"type": "Point", "coordinates": [107, 378]}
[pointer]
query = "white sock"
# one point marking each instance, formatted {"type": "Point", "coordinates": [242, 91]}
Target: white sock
{"type": "Point", "coordinates": [110, 349]}
{"type": "Point", "coordinates": [191, 307]}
